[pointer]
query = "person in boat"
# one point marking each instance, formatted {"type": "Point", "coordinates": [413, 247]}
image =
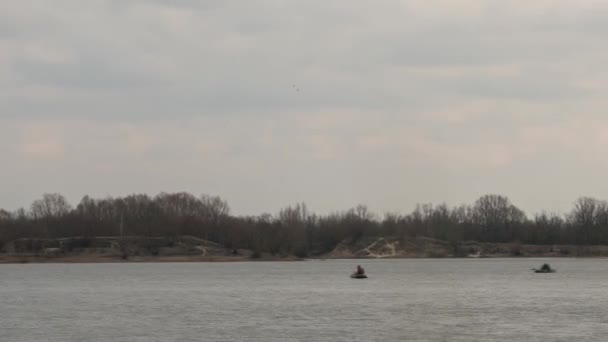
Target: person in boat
{"type": "Point", "coordinates": [360, 270]}
{"type": "Point", "coordinates": [545, 267]}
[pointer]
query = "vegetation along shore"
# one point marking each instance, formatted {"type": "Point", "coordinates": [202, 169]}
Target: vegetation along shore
{"type": "Point", "coordinates": [181, 227]}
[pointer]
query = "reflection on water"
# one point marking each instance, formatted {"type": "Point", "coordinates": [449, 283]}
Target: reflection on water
{"type": "Point", "coordinates": [403, 300]}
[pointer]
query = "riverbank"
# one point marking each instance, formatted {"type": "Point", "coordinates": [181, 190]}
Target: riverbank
{"type": "Point", "coordinates": [79, 259]}
{"type": "Point", "coordinates": [423, 247]}
{"type": "Point", "coordinates": [117, 249]}
{"type": "Point", "coordinates": [192, 249]}
{"type": "Point", "coordinates": [99, 259]}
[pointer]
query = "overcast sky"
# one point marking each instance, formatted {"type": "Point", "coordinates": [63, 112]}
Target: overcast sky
{"type": "Point", "coordinates": [334, 103]}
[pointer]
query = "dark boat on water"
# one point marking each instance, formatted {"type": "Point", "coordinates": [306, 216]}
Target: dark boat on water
{"type": "Point", "coordinates": [359, 273]}
{"type": "Point", "coordinates": [545, 268]}
{"type": "Point", "coordinates": [358, 276]}
{"type": "Point", "coordinates": [544, 271]}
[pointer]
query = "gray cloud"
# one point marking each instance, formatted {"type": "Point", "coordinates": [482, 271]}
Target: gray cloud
{"type": "Point", "coordinates": [333, 102]}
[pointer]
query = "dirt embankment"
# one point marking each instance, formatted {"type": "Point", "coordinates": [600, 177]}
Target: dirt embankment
{"type": "Point", "coordinates": [422, 247]}
{"type": "Point", "coordinates": [192, 249]}
{"type": "Point", "coordinates": [123, 249]}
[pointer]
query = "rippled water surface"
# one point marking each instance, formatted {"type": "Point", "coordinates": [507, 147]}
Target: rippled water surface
{"type": "Point", "coordinates": [403, 300]}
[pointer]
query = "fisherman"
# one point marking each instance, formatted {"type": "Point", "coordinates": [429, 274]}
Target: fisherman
{"type": "Point", "coordinates": [360, 270]}
{"type": "Point", "coordinates": [546, 267]}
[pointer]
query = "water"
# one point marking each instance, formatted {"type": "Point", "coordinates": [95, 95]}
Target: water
{"type": "Point", "coordinates": [403, 300]}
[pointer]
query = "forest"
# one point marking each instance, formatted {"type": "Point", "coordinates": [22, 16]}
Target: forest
{"type": "Point", "coordinates": [294, 230]}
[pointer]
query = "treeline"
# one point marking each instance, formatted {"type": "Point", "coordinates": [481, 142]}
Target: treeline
{"type": "Point", "coordinates": [296, 230]}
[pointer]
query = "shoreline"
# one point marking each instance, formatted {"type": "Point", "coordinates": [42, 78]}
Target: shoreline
{"type": "Point", "coordinates": [102, 259]}
{"type": "Point", "coordinates": [132, 249]}
{"type": "Point", "coordinates": [116, 260]}
{"type": "Point", "coordinates": [95, 259]}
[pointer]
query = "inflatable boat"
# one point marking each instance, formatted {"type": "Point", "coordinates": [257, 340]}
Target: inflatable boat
{"type": "Point", "coordinates": [358, 276]}
{"type": "Point", "coordinates": [544, 271]}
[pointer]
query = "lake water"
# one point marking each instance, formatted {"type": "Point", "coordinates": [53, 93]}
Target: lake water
{"type": "Point", "coordinates": [403, 300]}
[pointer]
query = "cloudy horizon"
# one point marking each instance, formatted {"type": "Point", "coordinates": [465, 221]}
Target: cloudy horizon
{"type": "Point", "coordinates": [331, 103]}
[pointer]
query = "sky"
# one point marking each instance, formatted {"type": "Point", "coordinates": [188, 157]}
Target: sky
{"type": "Point", "coordinates": [333, 103]}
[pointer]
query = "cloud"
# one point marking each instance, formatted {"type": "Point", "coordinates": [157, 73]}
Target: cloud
{"type": "Point", "coordinates": [42, 142]}
{"type": "Point", "coordinates": [235, 57]}
{"type": "Point", "coordinates": [270, 102]}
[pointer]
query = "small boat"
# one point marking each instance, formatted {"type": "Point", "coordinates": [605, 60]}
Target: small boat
{"type": "Point", "coordinates": [359, 273]}
{"type": "Point", "coordinates": [544, 269]}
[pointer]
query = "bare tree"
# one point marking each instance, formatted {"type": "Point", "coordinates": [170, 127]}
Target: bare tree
{"type": "Point", "coordinates": [497, 217]}
{"type": "Point", "coordinates": [214, 208]}
{"type": "Point", "coordinates": [363, 213]}
{"type": "Point", "coordinates": [4, 215]}
{"type": "Point", "coordinates": [50, 206]}
{"type": "Point", "coordinates": [496, 209]}
{"type": "Point", "coordinates": [590, 219]}
{"type": "Point", "coordinates": [586, 211]}
{"type": "Point", "coordinates": [179, 205]}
